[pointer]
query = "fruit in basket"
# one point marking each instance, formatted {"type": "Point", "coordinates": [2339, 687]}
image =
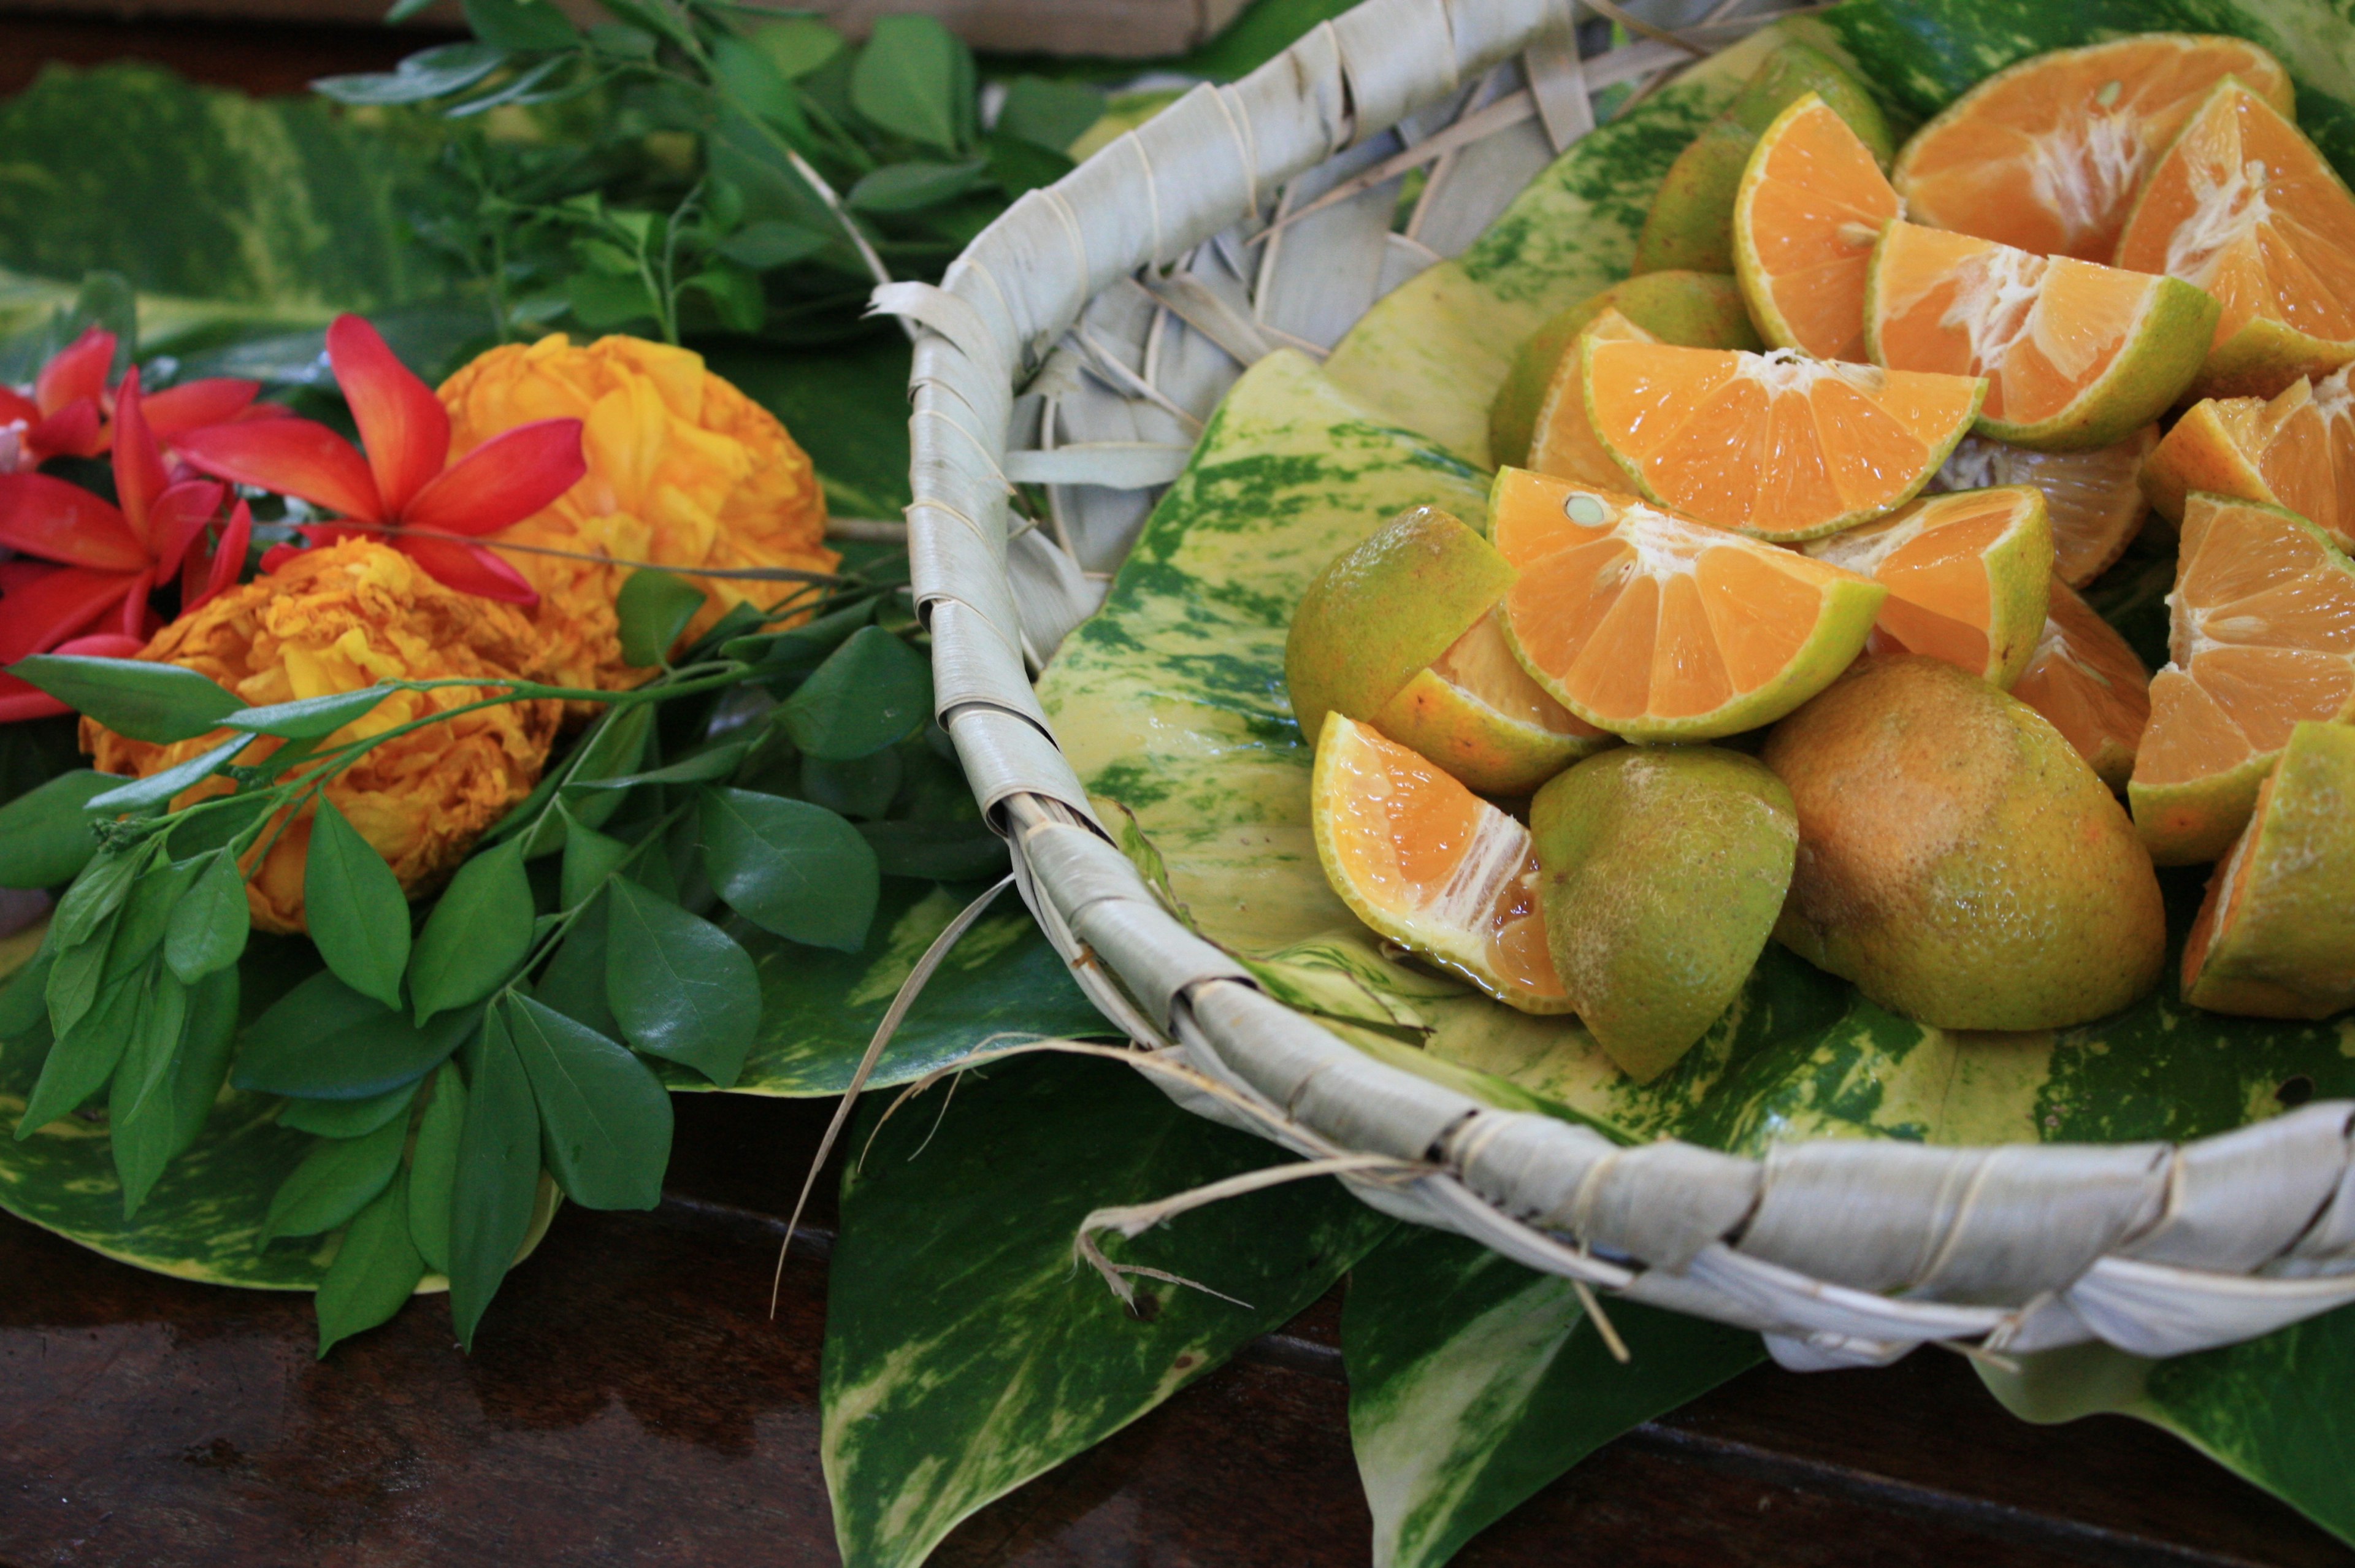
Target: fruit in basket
{"type": "Point", "coordinates": [1702, 310]}
{"type": "Point", "coordinates": [2296, 450]}
{"type": "Point", "coordinates": [2077, 356]}
{"type": "Point", "coordinates": [1663, 869]}
{"type": "Point", "coordinates": [1429, 865]}
{"type": "Point", "coordinates": [2093, 499]}
{"type": "Point", "coordinates": [1690, 222]}
{"type": "Point", "coordinates": [1398, 633]}
{"type": "Point", "coordinates": [1564, 442]}
{"type": "Point", "coordinates": [2247, 209]}
{"type": "Point", "coordinates": [2086, 681]}
{"type": "Point", "coordinates": [2275, 936]}
{"type": "Point", "coordinates": [2261, 634]}
{"type": "Point", "coordinates": [1776, 446]}
{"type": "Point", "coordinates": [1957, 859]}
{"type": "Point", "coordinates": [1658, 628]}
{"type": "Point", "coordinates": [2047, 155]}
{"type": "Point", "coordinates": [1812, 204]}
{"type": "Point", "coordinates": [1966, 575]}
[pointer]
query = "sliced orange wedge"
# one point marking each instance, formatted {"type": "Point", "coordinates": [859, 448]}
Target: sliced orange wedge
{"type": "Point", "coordinates": [1966, 575]}
{"type": "Point", "coordinates": [1429, 865]}
{"type": "Point", "coordinates": [1659, 628]}
{"type": "Point", "coordinates": [2076, 356]}
{"type": "Point", "coordinates": [2295, 450]}
{"type": "Point", "coordinates": [1773, 444]}
{"type": "Point", "coordinates": [2094, 499]}
{"type": "Point", "coordinates": [2263, 635]}
{"type": "Point", "coordinates": [1475, 712]}
{"type": "Point", "coordinates": [1564, 442]}
{"type": "Point", "coordinates": [1811, 203]}
{"type": "Point", "coordinates": [2047, 155]}
{"type": "Point", "coordinates": [2244, 207]}
{"type": "Point", "coordinates": [2086, 680]}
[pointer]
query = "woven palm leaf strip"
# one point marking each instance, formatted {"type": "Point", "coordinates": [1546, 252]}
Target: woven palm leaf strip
{"type": "Point", "coordinates": [1078, 344]}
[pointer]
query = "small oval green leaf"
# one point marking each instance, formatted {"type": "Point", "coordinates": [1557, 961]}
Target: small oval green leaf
{"type": "Point", "coordinates": [45, 838]}
{"type": "Point", "coordinates": [872, 691]}
{"type": "Point", "coordinates": [433, 1167]}
{"type": "Point", "coordinates": [347, 1118]}
{"type": "Point", "coordinates": [497, 1178]}
{"type": "Point", "coordinates": [789, 867]}
{"type": "Point", "coordinates": [208, 926]}
{"type": "Point", "coordinates": [333, 1181]}
{"type": "Point", "coordinates": [478, 933]}
{"type": "Point", "coordinates": [654, 607]}
{"type": "Point", "coordinates": [679, 985]}
{"type": "Point", "coordinates": [310, 717]}
{"type": "Point", "coordinates": [142, 698]}
{"type": "Point", "coordinates": [323, 1040]}
{"type": "Point", "coordinates": [354, 906]}
{"type": "Point", "coordinates": [157, 788]}
{"type": "Point", "coordinates": [375, 1270]}
{"type": "Point", "coordinates": [604, 1117]}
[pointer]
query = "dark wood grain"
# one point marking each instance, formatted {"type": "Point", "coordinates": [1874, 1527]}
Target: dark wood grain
{"type": "Point", "coordinates": [281, 58]}
{"type": "Point", "coordinates": [628, 1400]}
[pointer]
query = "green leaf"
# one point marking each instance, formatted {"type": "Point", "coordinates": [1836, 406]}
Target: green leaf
{"type": "Point", "coordinates": [95, 895]}
{"type": "Point", "coordinates": [574, 981]}
{"type": "Point", "coordinates": [146, 913]}
{"type": "Point", "coordinates": [323, 1040]}
{"type": "Point", "coordinates": [604, 300]}
{"type": "Point", "coordinates": [333, 1180]}
{"type": "Point", "coordinates": [153, 1043]}
{"type": "Point", "coordinates": [864, 786]}
{"type": "Point", "coordinates": [589, 856]}
{"type": "Point", "coordinates": [1019, 166]}
{"type": "Point", "coordinates": [214, 823]}
{"type": "Point", "coordinates": [791, 868]}
{"type": "Point", "coordinates": [157, 788]}
{"type": "Point", "coordinates": [147, 1136]}
{"type": "Point", "coordinates": [612, 750]}
{"type": "Point", "coordinates": [354, 907]}
{"type": "Point", "coordinates": [735, 294]}
{"type": "Point", "coordinates": [45, 838]}
{"type": "Point", "coordinates": [139, 697]}
{"type": "Point", "coordinates": [347, 1118]}
{"type": "Point", "coordinates": [654, 608]}
{"type": "Point", "coordinates": [605, 1118]}
{"type": "Point", "coordinates": [941, 1249]}
{"type": "Point", "coordinates": [802, 646]}
{"type": "Point", "coordinates": [1048, 114]}
{"type": "Point", "coordinates": [433, 1167]}
{"type": "Point", "coordinates": [750, 79]}
{"type": "Point", "coordinates": [872, 691]}
{"type": "Point", "coordinates": [209, 925]}
{"type": "Point", "coordinates": [83, 1058]}
{"type": "Point", "coordinates": [497, 1178]}
{"type": "Point", "coordinates": [428, 73]}
{"type": "Point", "coordinates": [1474, 1381]}
{"type": "Point", "coordinates": [479, 931]}
{"type": "Point", "coordinates": [24, 996]}
{"type": "Point", "coordinates": [679, 985]}
{"type": "Point", "coordinates": [797, 45]}
{"type": "Point", "coordinates": [375, 1269]}
{"type": "Point", "coordinates": [908, 187]}
{"type": "Point", "coordinates": [310, 717]}
{"type": "Point", "coordinates": [936, 851]}
{"type": "Point", "coordinates": [531, 24]}
{"type": "Point", "coordinates": [906, 80]}
{"type": "Point", "coordinates": [775, 242]}
{"type": "Point", "coordinates": [714, 762]}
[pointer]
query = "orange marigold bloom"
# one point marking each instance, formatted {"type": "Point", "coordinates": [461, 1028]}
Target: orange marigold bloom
{"type": "Point", "coordinates": [339, 618]}
{"type": "Point", "coordinates": [684, 471]}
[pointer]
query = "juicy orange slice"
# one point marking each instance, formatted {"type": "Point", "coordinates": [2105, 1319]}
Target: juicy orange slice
{"type": "Point", "coordinates": [2263, 634]}
{"type": "Point", "coordinates": [1773, 444]}
{"type": "Point", "coordinates": [1811, 203]}
{"type": "Point", "coordinates": [2076, 354]}
{"type": "Point", "coordinates": [1966, 575]}
{"type": "Point", "coordinates": [1659, 628]}
{"type": "Point", "coordinates": [1475, 712]}
{"type": "Point", "coordinates": [2093, 499]}
{"type": "Point", "coordinates": [1564, 442]}
{"type": "Point", "coordinates": [2245, 207]}
{"type": "Point", "coordinates": [2085, 677]}
{"type": "Point", "coordinates": [2295, 450]}
{"type": "Point", "coordinates": [1429, 865]}
{"type": "Point", "coordinates": [2047, 155]}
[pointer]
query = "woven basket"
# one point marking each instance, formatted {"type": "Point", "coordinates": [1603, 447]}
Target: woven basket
{"type": "Point", "coordinates": [1067, 347]}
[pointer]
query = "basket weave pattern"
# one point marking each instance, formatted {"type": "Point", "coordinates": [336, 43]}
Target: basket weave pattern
{"type": "Point", "coordinates": [1078, 344]}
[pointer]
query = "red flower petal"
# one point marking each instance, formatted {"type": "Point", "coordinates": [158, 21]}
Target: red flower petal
{"type": "Point", "coordinates": [102, 646]}
{"type": "Point", "coordinates": [403, 426]}
{"type": "Point", "coordinates": [43, 613]}
{"type": "Point", "coordinates": [21, 700]}
{"type": "Point", "coordinates": [74, 431]}
{"type": "Point", "coordinates": [139, 475]}
{"type": "Point", "coordinates": [180, 513]}
{"type": "Point", "coordinates": [44, 516]}
{"type": "Point", "coordinates": [192, 405]}
{"type": "Point", "coordinates": [16, 406]}
{"type": "Point", "coordinates": [228, 557]}
{"type": "Point", "coordinates": [503, 481]}
{"type": "Point", "coordinates": [278, 555]}
{"type": "Point", "coordinates": [136, 612]}
{"type": "Point", "coordinates": [292, 457]}
{"type": "Point", "coordinates": [76, 371]}
{"type": "Point", "coordinates": [468, 568]}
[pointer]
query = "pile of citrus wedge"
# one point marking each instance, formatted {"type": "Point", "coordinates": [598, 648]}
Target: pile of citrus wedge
{"type": "Point", "coordinates": [1772, 629]}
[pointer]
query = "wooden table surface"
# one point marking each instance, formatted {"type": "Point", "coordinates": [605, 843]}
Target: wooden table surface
{"type": "Point", "coordinates": [630, 1402]}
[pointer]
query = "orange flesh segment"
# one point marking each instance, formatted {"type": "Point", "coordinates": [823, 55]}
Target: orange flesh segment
{"type": "Point", "coordinates": [1638, 613]}
{"type": "Point", "coordinates": [2303, 445]}
{"type": "Point", "coordinates": [1773, 443]}
{"type": "Point", "coordinates": [1931, 556]}
{"type": "Point", "coordinates": [1444, 870]}
{"type": "Point", "coordinates": [1481, 665]}
{"type": "Point", "coordinates": [1564, 442]}
{"type": "Point", "coordinates": [2041, 331]}
{"type": "Point", "coordinates": [2263, 635]}
{"type": "Point", "coordinates": [2048, 156]}
{"type": "Point", "coordinates": [1820, 203]}
{"type": "Point", "coordinates": [2244, 207]}
{"type": "Point", "coordinates": [2222, 907]}
{"type": "Point", "coordinates": [2087, 681]}
{"type": "Point", "coordinates": [2093, 499]}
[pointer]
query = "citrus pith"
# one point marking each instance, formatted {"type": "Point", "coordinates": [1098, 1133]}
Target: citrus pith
{"type": "Point", "coordinates": [2093, 499]}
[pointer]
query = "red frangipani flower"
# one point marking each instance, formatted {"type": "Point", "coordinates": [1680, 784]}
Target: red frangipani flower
{"type": "Point", "coordinates": [84, 569]}
{"type": "Point", "coordinates": [404, 489]}
{"type": "Point", "coordinates": [71, 410]}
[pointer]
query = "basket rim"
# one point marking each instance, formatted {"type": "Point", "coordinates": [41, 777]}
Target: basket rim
{"type": "Point", "coordinates": [1842, 1251]}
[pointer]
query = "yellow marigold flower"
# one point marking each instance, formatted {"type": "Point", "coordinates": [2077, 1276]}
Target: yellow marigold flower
{"type": "Point", "coordinates": [684, 471]}
{"type": "Point", "coordinates": [337, 619]}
